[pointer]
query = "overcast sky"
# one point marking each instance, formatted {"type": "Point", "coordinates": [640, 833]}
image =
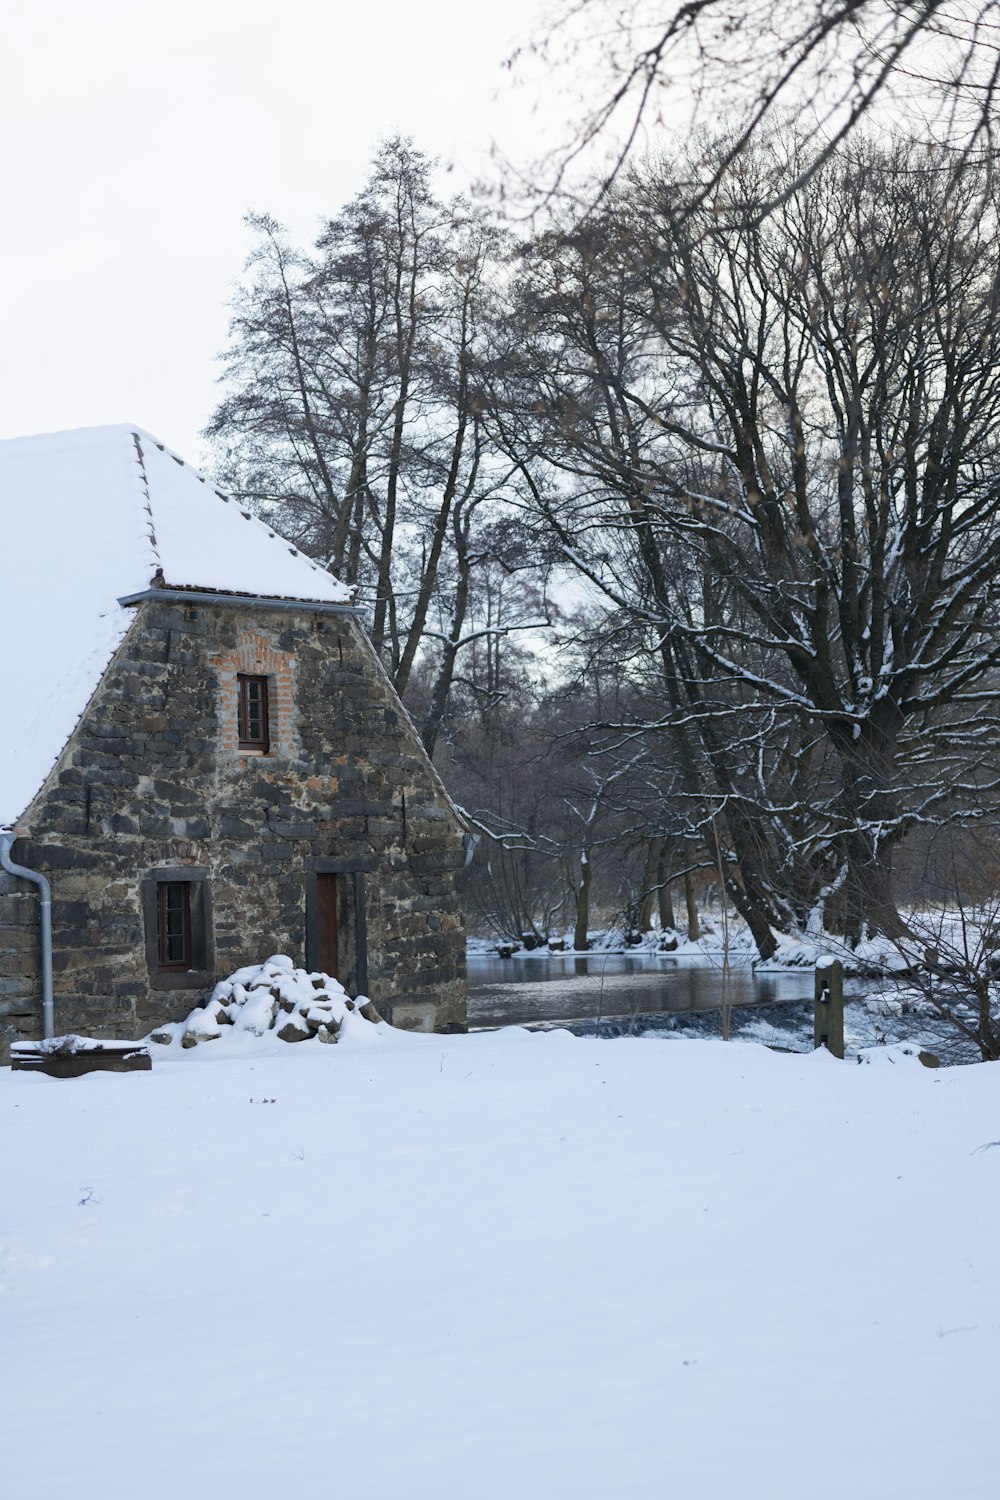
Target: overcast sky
{"type": "Point", "coordinates": [136, 135]}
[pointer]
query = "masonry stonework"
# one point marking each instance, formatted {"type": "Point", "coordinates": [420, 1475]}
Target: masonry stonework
{"type": "Point", "coordinates": [152, 785]}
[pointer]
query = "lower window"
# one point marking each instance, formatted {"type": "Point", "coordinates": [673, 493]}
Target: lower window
{"type": "Point", "coordinates": [177, 907]}
{"type": "Point", "coordinates": [173, 924]}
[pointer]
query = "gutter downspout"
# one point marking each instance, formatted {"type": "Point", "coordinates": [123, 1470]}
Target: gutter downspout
{"type": "Point", "coordinates": [45, 923]}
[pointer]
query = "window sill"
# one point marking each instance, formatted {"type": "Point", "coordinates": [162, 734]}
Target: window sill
{"type": "Point", "coordinates": [181, 979]}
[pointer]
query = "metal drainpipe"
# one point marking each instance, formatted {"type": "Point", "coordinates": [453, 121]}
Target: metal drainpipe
{"type": "Point", "coordinates": [45, 922]}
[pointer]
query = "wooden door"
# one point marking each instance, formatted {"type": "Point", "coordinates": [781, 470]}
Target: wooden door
{"type": "Point", "coordinates": [327, 937]}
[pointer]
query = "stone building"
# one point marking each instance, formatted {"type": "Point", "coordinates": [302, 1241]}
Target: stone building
{"type": "Point", "coordinates": [202, 756]}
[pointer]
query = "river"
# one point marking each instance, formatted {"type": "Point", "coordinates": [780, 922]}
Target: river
{"type": "Point", "coordinates": [571, 987]}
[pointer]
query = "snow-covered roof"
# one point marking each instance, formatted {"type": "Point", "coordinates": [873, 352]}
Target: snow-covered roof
{"type": "Point", "coordinates": [87, 518]}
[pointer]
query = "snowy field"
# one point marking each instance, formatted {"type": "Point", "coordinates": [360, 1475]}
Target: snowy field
{"type": "Point", "coordinates": [506, 1265]}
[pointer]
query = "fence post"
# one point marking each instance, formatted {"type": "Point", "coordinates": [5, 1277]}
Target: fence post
{"type": "Point", "coordinates": [828, 1008]}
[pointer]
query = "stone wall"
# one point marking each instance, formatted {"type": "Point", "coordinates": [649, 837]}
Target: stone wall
{"type": "Point", "coordinates": [153, 782]}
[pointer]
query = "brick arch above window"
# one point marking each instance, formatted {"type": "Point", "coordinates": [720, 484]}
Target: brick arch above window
{"type": "Point", "coordinates": [257, 656]}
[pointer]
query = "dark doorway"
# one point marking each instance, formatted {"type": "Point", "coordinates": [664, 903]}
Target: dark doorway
{"type": "Point", "coordinates": [336, 926]}
{"type": "Point", "coordinates": [327, 928]}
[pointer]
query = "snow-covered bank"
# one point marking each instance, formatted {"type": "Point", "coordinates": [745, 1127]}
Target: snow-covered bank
{"type": "Point", "coordinates": [503, 1264]}
{"type": "Point", "coordinates": [873, 1024]}
{"type": "Point", "coordinates": [670, 944]}
{"type": "Point", "coordinates": [955, 931]}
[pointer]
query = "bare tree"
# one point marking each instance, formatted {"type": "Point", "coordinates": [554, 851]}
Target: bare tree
{"type": "Point", "coordinates": [950, 978]}
{"type": "Point", "coordinates": [775, 449]}
{"type": "Point", "coordinates": [350, 412]}
{"type": "Point", "coordinates": [822, 64]}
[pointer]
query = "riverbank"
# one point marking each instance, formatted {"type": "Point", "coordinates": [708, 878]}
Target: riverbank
{"type": "Point", "coordinates": [729, 937]}
{"type": "Point", "coordinates": [635, 992]}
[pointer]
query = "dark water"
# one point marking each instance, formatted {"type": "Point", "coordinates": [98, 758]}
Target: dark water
{"type": "Point", "coordinates": [563, 987]}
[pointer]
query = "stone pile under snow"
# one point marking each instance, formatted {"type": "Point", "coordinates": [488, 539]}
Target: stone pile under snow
{"type": "Point", "coordinates": [273, 997]}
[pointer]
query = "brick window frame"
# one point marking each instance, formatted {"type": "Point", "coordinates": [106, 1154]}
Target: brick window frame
{"type": "Point", "coordinates": [252, 713]}
{"type": "Point", "coordinates": [255, 655]}
{"type": "Point", "coordinates": [196, 969]}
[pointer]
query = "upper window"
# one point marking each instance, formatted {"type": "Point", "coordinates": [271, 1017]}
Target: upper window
{"type": "Point", "coordinates": [252, 713]}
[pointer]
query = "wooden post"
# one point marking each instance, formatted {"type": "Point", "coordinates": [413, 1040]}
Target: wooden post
{"type": "Point", "coordinates": [828, 1008]}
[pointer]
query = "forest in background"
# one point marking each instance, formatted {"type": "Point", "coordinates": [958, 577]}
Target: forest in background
{"type": "Point", "coordinates": [673, 517]}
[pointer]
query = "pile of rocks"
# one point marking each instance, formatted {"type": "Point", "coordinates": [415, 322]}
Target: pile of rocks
{"type": "Point", "coordinates": [273, 997]}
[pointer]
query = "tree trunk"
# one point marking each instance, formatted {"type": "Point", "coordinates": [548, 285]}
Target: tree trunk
{"type": "Point", "coordinates": [752, 907]}
{"type": "Point", "coordinates": [649, 885]}
{"type": "Point", "coordinates": [668, 921]}
{"type": "Point", "coordinates": [868, 807]}
{"type": "Point", "coordinates": [694, 927]}
{"type": "Point", "coordinates": [749, 892]}
{"type": "Point", "coordinates": [406, 335]}
{"type": "Point", "coordinates": [449, 652]}
{"type": "Point", "coordinates": [870, 904]}
{"type": "Point", "coordinates": [580, 942]}
{"type": "Point", "coordinates": [440, 529]}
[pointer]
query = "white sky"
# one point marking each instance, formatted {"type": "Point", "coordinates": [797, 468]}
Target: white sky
{"type": "Point", "coordinates": [134, 136]}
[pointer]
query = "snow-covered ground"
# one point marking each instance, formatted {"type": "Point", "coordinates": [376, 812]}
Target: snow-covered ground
{"type": "Point", "coordinates": [510, 1264]}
